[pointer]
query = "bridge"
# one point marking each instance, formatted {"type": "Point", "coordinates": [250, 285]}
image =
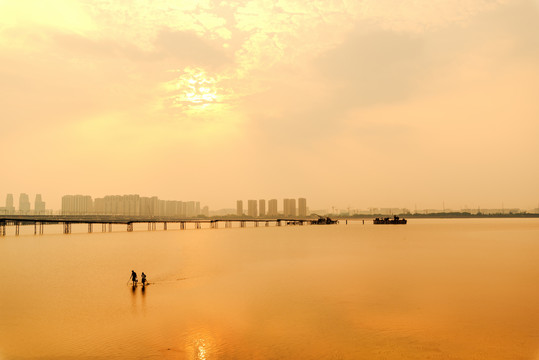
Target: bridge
{"type": "Point", "coordinates": [106, 222]}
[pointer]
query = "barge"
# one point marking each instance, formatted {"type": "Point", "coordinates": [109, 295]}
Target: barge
{"type": "Point", "coordinates": [395, 220]}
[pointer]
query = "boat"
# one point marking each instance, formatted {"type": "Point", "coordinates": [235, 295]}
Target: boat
{"type": "Point", "coordinates": [323, 220]}
{"type": "Point", "coordinates": [387, 220]}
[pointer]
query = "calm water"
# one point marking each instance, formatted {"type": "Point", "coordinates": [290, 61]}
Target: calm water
{"type": "Point", "coordinates": [432, 289]}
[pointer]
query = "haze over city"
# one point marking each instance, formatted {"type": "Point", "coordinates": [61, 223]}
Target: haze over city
{"type": "Point", "coordinates": [364, 104]}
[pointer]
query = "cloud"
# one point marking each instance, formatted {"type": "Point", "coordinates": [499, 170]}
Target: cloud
{"type": "Point", "coordinates": [307, 86]}
{"type": "Point", "coordinates": [424, 15]}
{"type": "Point", "coordinates": [189, 49]}
{"type": "Point", "coordinates": [373, 68]}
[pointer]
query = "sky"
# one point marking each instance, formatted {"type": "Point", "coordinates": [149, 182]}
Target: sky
{"type": "Point", "coordinates": [366, 103]}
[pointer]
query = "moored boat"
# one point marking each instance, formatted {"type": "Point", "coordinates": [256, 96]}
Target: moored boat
{"type": "Point", "coordinates": [387, 220]}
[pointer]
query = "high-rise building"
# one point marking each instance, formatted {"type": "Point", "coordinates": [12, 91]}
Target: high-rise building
{"type": "Point", "coordinates": [10, 207]}
{"type": "Point", "coordinates": [183, 211]}
{"type": "Point", "coordinates": [261, 207]}
{"type": "Point", "coordinates": [24, 203]}
{"type": "Point", "coordinates": [292, 207]}
{"type": "Point", "coordinates": [154, 206]}
{"type": "Point", "coordinates": [302, 207]}
{"type": "Point", "coordinates": [119, 205]}
{"type": "Point", "coordinates": [289, 207]}
{"type": "Point", "coordinates": [252, 208]}
{"type": "Point", "coordinates": [77, 204]}
{"type": "Point", "coordinates": [239, 207]}
{"type": "Point", "coordinates": [130, 205]}
{"type": "Point", "coordinates": [171, 208]}
{"type": "Point", "coordinates": [99, 206]}
{"type": "Point", "coordinates": [39, 205]}
{"type": "Point", "coordinates": [191, 209]}
{"type": "Point", "coordinates": [272, 207]}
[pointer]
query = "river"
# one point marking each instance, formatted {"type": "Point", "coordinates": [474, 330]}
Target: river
{"type": "Point", "coordinates": [431, 289]}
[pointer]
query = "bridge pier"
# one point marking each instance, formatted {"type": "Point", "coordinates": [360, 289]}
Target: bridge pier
{"type": "Point", "coordinates": [256, 223]}
{"type": "Point", "coordinates": [278, 222]}
{"type": "Point", "coordinates": [103, 227]}
{"type": "Point", "coordinates": [164, 226]}
{"type": "Point", "coordinates": [17, 228]}
{"type": "Point", "coordinates": [267, 224]}
{"type": "Point", "coordinates": [182, 225]}
{"type": "Point", "coordinates": [89, 228]}
{"type": "Point", "coordinates": [3, 228]}
{"type": "Point", "coordinates": [198, 225]}
{"type": "Point", "coordinates": [110, 227]}
{"type": "Point", "coordinates": [129, 227]}
{"type": "Point", "coordinates": [67, 228]}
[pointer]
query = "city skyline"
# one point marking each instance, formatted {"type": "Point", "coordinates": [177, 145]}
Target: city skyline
{"type": "Point", "coordinates": [350, 104]}
{"type": "Point", "coordinates": [289, 207]}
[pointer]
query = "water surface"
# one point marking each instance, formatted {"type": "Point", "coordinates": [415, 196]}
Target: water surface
{"type": "Point", "coordinates": [432, 289]}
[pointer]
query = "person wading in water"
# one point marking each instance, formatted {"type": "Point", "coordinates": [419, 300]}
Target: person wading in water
{"type": "Point", "coordinates": [143, 279]}
{"type": "Point", "coordinates": [134, 277]}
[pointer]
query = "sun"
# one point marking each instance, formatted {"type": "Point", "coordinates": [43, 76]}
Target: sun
{"type": "Point", "coordinates": [195, 89]}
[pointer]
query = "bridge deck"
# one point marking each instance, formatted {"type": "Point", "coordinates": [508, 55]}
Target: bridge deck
{"type": "Point", "coordinates": [116, 219]}
{"type": "Point", "coordinates": [67, 220]}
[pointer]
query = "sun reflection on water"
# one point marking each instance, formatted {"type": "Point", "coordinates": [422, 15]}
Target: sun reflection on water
{"type": "Point", "coordinates": [200, 346]}
{"type": "Point", "coordinates": [200, 350]}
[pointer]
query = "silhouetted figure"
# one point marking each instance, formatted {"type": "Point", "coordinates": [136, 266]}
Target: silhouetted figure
{"type": "Point", "coordinates": [143, 279]}
{"type": "Point", "coordinates": [134, 277]}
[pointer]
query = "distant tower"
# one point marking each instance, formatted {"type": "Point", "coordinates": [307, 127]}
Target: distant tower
{"type": "Point", "coordinates": [286, 207]}
{"type": "Point", "coordinates": [292, 205]}
{"type": "Point", "coordinates": [289, 207]}
{"type": "Point", "coordinates": [272, 207]}
{"type": "Point", "coordinates": [261, 207]}
{"type": "Point", "coordinates": [252, 209]}
{"type": "Point", "coordinates": [10, 208]}
{"type": "Point", "coordinates": [24, 203]}
{"type": "Point", "coordinates": [302, 207]}
{"type": "Point", "coordinates": [39, 205]}
{"type": "Point", "coordinates": [239, 207]}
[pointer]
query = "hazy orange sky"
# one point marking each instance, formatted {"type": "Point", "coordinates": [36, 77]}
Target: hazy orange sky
{"type": "Point", "coordinates": [384, 103]}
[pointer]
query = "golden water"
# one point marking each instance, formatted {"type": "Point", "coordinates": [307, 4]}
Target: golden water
{"type": "Point", "coordinates": [432, 289]}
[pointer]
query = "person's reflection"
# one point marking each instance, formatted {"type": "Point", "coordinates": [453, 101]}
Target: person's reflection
{"type": "Point", "coordinates": [133, 299]}
{"type": "Point", "coordinates": [143, 304]}
{"type": "Point", "coordinates": [134, 307]}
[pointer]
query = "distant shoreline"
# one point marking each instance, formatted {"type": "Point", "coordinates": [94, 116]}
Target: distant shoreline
{"type": "Point", "coordinates": [442, 216]}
